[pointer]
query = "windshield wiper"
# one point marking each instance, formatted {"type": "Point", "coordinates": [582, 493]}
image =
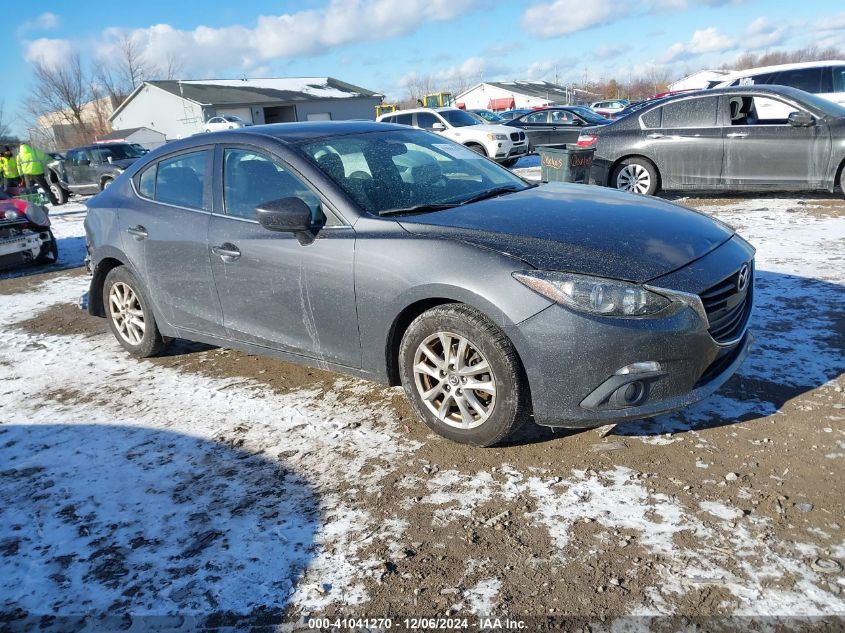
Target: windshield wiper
{"type": "Point", "coordinates": [420, 208]}
{"type": "Point", "coordinates": [492, 193]}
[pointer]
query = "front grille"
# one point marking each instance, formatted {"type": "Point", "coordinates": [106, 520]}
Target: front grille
{"type": "Point", "coordinates": [727, 307]}
{"type": "Point", "coordinates": [517, 136]}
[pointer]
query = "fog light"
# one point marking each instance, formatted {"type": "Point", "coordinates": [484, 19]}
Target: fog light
{"type": "Point", "coordinates": [639, 368]}
{"type": "Point", "coordinates": [629, 395]}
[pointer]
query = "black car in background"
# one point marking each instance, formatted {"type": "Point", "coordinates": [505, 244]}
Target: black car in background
{"type": "Point", "coordinates": [556, 125]}
{"type": "Point", "coordinates": [752, 138]}
{"type": "Point", "coordinates": [91, 168]}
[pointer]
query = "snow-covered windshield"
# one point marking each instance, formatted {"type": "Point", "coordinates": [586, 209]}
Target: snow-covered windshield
{"type": "Point", "coordinates": [383, 171]}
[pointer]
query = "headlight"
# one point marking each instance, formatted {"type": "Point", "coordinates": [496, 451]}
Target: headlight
{"type": "Point", "coordinates": [11, 214]}
{"type": "Point", "coordinates": [595, 295]}
{"type": "Point", "coordinates": [497, 137]}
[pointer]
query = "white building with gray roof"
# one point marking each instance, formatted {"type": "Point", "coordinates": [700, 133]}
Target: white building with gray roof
{"type": "Point", "coordinates": [179, 108]}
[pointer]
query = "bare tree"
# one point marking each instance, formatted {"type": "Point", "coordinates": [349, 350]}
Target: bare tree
{"type": "Point", "coordinates": [5, 129]}
{"type": "Point", "coordinates": [125, 71]}
{"type": "Point", "coordinates": [61, 92]}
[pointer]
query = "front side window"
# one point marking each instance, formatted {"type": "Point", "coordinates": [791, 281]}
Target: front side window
{"type": "Point", "coordinates": [426, 120]}
{"type": "Point", "coordinates": [181, 180]}
{"type": "Point", "coordinates": [76, 157]}
{"type": "Point", "coordinates": [459, 118]}
{"type": "Point", "coordinates": [839, 79]}
{"type": "Point", "coordinates": [691, 113]}
{"type": "Point", "coordinates": [561, 116]}
{"type": "Point", "coordinates": [251, 178]}
{"type": "Point", "coordinates": [536, 118]}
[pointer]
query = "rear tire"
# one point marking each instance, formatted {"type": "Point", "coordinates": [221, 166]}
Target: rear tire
{"type": "Point", "coordinates": [59, 193]}
{"type": "Point", "coordinates": [462, 376]}
{"type": "Point", "coordinates": [636, 175]}
{"type": "Point", "coordinates": [130, 316]}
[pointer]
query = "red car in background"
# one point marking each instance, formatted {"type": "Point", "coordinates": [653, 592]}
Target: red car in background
{"type": "Point", "coordinates": [25, 235]}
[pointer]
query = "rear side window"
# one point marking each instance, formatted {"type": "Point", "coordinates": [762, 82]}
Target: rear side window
{"type": "Point", "coordinates": [652, 118]}
{"type": "Point", "coordinates": [807, 79]}
{"type": "Point", "coordinates": [691, 113]}
{"type": "Point", "coordinates": [181, 180]}
{"type": "Point", "coordinates": [147, 182]}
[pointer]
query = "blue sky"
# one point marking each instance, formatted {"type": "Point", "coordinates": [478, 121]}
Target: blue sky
{"type": "Point", "coordinates": [384, 44]}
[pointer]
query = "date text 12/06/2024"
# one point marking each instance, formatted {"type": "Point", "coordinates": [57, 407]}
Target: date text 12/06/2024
{"type": "Point", "coordinates": [416, 624]}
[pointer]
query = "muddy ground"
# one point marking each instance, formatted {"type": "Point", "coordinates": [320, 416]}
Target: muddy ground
{"type": "Point", "coordinates": [732, 508]}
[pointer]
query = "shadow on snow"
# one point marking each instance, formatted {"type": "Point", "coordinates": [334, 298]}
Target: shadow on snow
{"type": "Point", "coordinates": [116, 527]}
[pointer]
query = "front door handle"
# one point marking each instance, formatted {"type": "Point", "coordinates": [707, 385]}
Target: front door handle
{"type": "Point", "coordinates": [655, 135]}
{"type": "Point", "coordinates": [737, 135]}
{"type": "Point", "coordinates": [227, 252]}
{"type": "Point", "coordinates": [138, 232]}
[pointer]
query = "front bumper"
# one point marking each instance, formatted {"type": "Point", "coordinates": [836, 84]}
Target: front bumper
{"type": "Point", "coordinates": [23, 247]}
{"type": "Point", "coordinates": [574, 361]}
{"type": "Point", "coordinates": [506, 150]}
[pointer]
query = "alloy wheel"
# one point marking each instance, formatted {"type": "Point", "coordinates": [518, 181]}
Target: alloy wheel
{"type": "Point", "coordinates": [127, 313]}
{"type": "Point", "coordinates": [633, 178]}
{"type": "Point", "coordinates": [454, 380]}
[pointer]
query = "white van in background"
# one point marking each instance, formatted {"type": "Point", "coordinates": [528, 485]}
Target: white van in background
{"type": "Point", "coordinates": [825, 79]}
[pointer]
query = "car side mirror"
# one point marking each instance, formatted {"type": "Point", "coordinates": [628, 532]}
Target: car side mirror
{"type": "Point", "coordinates": [438, 127]}
{"type": "Point", "coordinates": [801, 119]}
{"type": "Point", "coordinates": [287, 215]}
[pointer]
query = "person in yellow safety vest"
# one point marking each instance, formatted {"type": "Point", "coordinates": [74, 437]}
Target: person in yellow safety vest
{"type": "Point", "coordinates": [9, 169]}
{"type": "Point", "coordinates": [31, 164]}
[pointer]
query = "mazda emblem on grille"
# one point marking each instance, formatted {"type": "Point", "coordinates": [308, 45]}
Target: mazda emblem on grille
{"type": "Point", "coordinates": [743, 277]}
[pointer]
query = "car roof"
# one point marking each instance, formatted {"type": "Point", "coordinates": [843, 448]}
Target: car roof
{"type": "Point", "coordinates": [779, 67]}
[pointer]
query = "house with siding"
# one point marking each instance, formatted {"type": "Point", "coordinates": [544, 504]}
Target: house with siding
{"type": "Point", "coordinates": [180, 108]}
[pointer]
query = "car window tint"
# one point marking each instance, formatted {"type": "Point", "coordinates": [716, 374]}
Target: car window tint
{"type": "Point", "coordinates": [536, 117]}
{"type": "Point", "coordinates": [75, 157]}
{"type": "Point", "coordinates": [251, 179]}
{"type": "Point", "coordinates": [147, 182]}
{"type": "Point", "coordinates": [426, 120]}
{"type": "Point", "coordinates": [403, 119]}
{"type": "Point", "coordinates": [839, 79]}
{"type": "Point", "coordinates": [690, 113]}
{"type": "Point", "coordinates": [653, 118]}
{"type": "Point", "coordinates": [561, 116]}
{"type": "Point", "coordinates": [181, 180]}
{"type": "Point", "coordinates": [808, 79]}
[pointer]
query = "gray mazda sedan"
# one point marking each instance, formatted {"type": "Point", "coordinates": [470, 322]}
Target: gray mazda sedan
{"type": "Point", "coordinates": [399, 256]}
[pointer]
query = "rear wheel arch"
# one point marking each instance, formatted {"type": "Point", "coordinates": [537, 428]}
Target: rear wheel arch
{"type": "Point", "coordinates": [839, 178]}
{"type": "Point", "coordinates": [95, 292]}
{"type": "Point", "coordinates": [615, 165]}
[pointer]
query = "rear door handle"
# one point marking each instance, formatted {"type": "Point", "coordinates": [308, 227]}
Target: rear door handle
{"type": "Point", "coordinates": [737, 135]}
{"type": "Point", "coordinates": [138, 232]}
{"type": "Point", "coordinates": [227, 252]}
{"type": "Point", "coordinates": [655, 135]}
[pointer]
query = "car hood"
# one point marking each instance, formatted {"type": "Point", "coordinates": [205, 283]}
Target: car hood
{"type": "Point", "coordinates": [581, 229]}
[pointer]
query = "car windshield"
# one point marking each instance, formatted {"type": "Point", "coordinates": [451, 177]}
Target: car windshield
{"type": "Point", "coordinates": [588, 115]}
{"type": "Point", "coordinates": [826, 107]}
{"type": "Point", "coordinates": [459, 118]}
{"type": "Point", "coordinates": [488, 115]}
{"type": "Point", "coordinates": [118, 151]}
{"type": "Point", "coordinates": [408, 171]}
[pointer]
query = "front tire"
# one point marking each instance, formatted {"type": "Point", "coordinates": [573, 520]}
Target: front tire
{"type": "Point", "coordinates": [462, 376]}
{"type": "Point", "coordinates": [636, 175]}
{"type": "Point", "coordinates": [479, 149]}
{"type": "Point", "coordinates": [129, 314]}
{"type": "Point", "coordinates": [60, 194]}
{"type": "Point", "coordinates": [105, 182]}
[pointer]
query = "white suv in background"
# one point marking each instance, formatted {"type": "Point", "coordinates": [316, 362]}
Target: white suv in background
{"type": "Point", "coordinates": [224, 122]}
{"type": "Point", "coordinates": [825, 78]}
{"type": "Point", "coordinates": [501, 143]}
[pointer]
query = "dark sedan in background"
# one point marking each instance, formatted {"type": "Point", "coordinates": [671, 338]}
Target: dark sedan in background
{"type": "Point", "coordinates": [752, 138]}
{"type": "Point", "coordinates": [400, 256]}
{"type": "Point", "coordinates": [556, 125]}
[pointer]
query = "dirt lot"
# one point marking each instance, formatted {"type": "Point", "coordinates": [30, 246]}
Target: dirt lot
{"type": "Point", "coordinates": [225, 487]}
